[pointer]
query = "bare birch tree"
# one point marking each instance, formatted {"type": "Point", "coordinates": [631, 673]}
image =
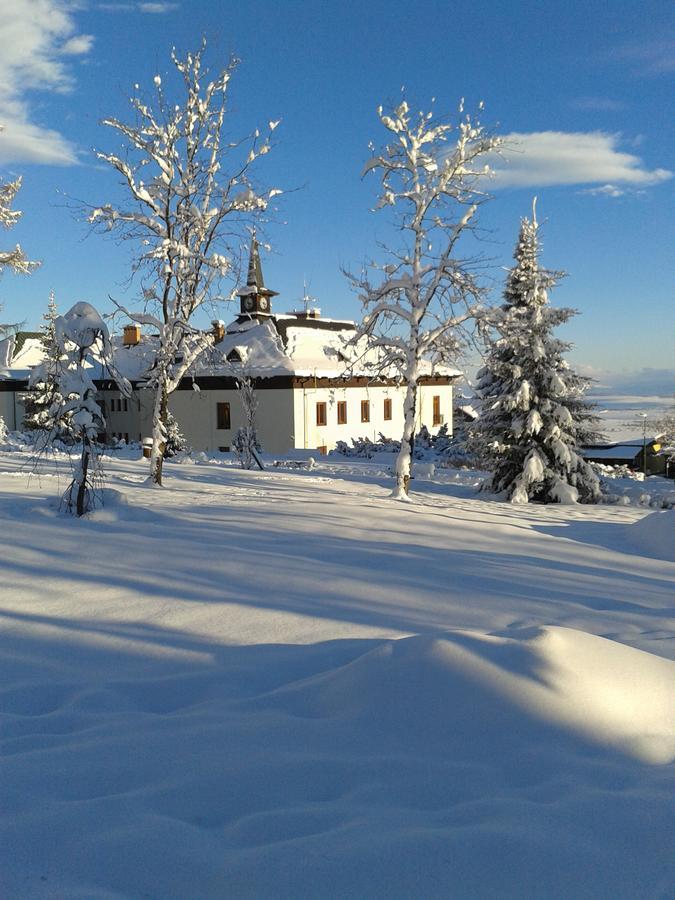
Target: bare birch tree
{"type": "Point", "coordinates": [418, 299]}
{"type": "Point", "coordinates": [190, 194]}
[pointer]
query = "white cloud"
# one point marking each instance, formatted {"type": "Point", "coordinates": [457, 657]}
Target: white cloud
{"type": "Point", "coordinates": [158, 7]}
{"type": "Point", "coordinates": [596, 104]}
{"type": "Point", "coordinates": [544, 158]}
{"type": "Point", "coordinates": [646, 382]}
{"type": "Point", "coordinates": [651, 57]}
{"type": "Point", "coordinates": [78, 45]}
{"type": "Point", "coordinates": [36, 38]}
{"type": "Point", "coordinates": [605, 190]}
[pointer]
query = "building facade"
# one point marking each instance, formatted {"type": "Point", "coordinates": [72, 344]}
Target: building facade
{"type": "Point", "coordinates": [314, 385]}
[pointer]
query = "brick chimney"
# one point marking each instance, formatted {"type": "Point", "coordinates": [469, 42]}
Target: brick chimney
{"type": "Point", "coordinates": [132, 335]}
{"type": "Point", "coordinates": [218, 330]}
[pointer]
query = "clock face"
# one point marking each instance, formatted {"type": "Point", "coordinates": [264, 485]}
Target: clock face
{"type": "Point", "coordinates": [249, 303]}
{"type": "Point", "coordinates": [263, 303]}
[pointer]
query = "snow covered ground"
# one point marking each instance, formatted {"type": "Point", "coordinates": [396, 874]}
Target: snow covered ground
{"type": "Point", "coordinates": [282, 684]}
{"type": "Point", "coordinates": [621, 415]}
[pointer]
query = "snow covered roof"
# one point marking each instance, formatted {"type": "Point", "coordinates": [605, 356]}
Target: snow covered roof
{"type": "Point", "coordinates": [627, 452]}
{"type": "Point", "coordinates": [17, 363]}
{"type": "Point", "coordinates": [265, 347]}
{"type": "Point", "coordinates": [469, 411]}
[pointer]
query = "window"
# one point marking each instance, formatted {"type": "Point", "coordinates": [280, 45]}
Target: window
{"type": "Point", "coordinates": [365, 410]}
{"type": "Point", "coordinates": [323, 450]}
{"type": "Point", "coordinates": [387, 410]}
{"type": "Point", "coordinates": [321, 414]}
{"type": "Point", "coordinates": [342, 412]}
{"type": "Point", "coordinates": [125, 405]}
{"type": "Point", "coordinates": [223, 410]}
{"type": "Point", "coordinates": [224, 449]}
{"type": "Point", "coordinates": [438, 418]}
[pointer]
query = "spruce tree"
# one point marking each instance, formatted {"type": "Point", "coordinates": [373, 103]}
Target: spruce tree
{"type": "Point", "coordinates": [175, 439]}
{"type": "Point", "coordinates": [534, 416]}
{"type": "Point", "coordinates": [43, 403]}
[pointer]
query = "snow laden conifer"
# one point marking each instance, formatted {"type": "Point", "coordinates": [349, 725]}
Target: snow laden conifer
{"type": "Point", "coordinates": [426, 290]}
{"type": "Point", "coordinates": [83, 340]}
{"type": "Point", "coordinates": [43, 404]}
{"type": "Point", "coordinates": [534, 417]}
{"type": "Point", "coordinates": [175, 439]}
{"type": "Point", "coordinates": [189, 196]}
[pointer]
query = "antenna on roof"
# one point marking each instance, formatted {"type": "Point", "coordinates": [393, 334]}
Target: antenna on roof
{"type": "Point", "coordinates": [306, 300]}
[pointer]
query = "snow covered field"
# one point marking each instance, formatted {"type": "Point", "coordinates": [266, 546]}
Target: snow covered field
{"type": "Point", "coordinates": [621, 414]}
{"type": "Point", "coordinates": [282, 684]}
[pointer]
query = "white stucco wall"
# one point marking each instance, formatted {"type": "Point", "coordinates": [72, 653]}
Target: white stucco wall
{"type": "Point", "coordinates": [310, 435]}
{"type": "Point", "coordinates": [7, 409]}
{"type": "Point", "coordinates": [196, 411]}
{"type": "Point", "coordinates": [286, 417]}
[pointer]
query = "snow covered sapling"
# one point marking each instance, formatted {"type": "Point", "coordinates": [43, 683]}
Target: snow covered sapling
{"type": "Point", "coordinates": [3, 431]}
{"type": "Point", "coordinates": [43, 404]}
{"type": "Point", "coordinates": [78, 333]}
{"type": "Point", "coordinates": [175, 439]}
{"type": "Point", "coordinates": [245, 444]}
{"type": "Point", "coordinates": [534, 416]}
{"type": "Point", "coordinates": [417, 302]}
{"type": "Point", "coordinates": [190, 195]}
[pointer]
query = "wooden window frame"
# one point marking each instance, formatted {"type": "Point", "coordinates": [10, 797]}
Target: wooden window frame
{"type": "Point", "coordinates": [365, 410]}
{"type": "Point", "coordinates": [321, 413]}
{"type": "Point", "coordinates": [342, 412]}
{"type": "Point", "coordinates": [387, 409]}
{"type": "Point", "coordinates": [223, 416]}
{"type": "Point", "coordinates": [436, 406]}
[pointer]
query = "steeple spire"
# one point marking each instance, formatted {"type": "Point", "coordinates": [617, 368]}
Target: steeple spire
{"type": "Point", "coordinates": [255, 275]}
{"type": "Point", "coordinates": [255, 297]}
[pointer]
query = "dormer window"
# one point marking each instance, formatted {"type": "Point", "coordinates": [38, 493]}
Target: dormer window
{"type": "Point", "coordinates": [234, 356]}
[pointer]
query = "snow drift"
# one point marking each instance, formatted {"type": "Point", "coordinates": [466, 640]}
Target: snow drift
{"type": "Point", "coordinates": [488, 688]}
{"type": "Point", "coordinates": [655, 534]}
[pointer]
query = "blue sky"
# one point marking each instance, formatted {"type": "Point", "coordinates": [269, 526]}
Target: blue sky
{"type": "Point", "coordinates": [588, 90]}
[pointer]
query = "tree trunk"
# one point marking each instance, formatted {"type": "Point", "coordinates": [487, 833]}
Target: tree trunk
{"type": "Point", "coordinates": [82, 486]}
{"type": "Point", "coordinates": [159, 420]}
{"type": "Point", "coordinates": [404, 458]}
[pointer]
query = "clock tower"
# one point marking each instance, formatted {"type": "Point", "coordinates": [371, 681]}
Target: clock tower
{"type": "Point", "coordinates": [255, 297]}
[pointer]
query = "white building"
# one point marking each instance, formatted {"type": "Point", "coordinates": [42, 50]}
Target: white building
{"type": "Point", "coordinates": [313, 387]}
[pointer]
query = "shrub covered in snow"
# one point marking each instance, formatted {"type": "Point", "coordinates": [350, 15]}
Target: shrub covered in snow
{"type": "Point", "coordinates": [442, 448]}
